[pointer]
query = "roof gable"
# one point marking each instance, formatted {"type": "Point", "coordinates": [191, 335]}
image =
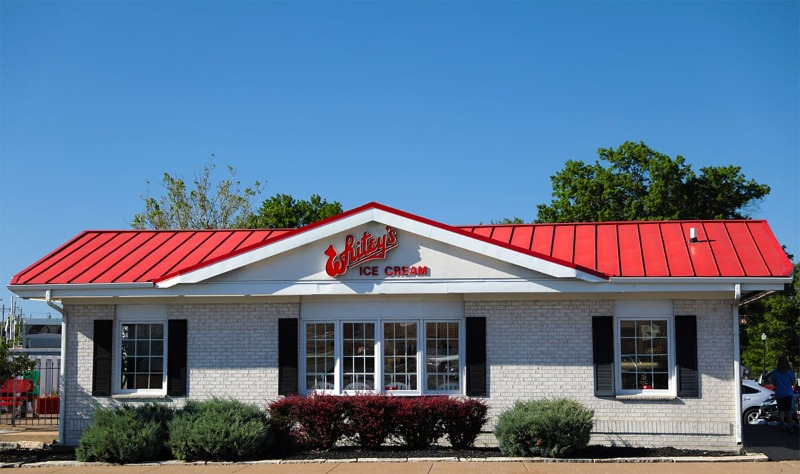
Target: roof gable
{"type": "Point", "coordinates": [376, 213]}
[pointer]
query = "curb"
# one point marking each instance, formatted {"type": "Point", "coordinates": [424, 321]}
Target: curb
{"type": "Point", "coordinates": [756, 457]}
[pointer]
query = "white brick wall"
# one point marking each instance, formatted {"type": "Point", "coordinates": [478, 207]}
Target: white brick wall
{"type": "Point", "coordinates": [535, 349]}
{"type": "Point", "coordinates": [543, 349]}
{"type": "Point", "coordinates": [232, 352]}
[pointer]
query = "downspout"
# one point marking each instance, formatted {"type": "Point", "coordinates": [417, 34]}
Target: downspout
{"type": "Point", "coordinates": [737, 372]}
{"type": "Point", "coordinates": [48, 297]}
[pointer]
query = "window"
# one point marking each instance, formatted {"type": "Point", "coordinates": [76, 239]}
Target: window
{"type": "Point", "coordinates": [637, 355]}
{"type": "Point", "coordinates": [644, 354]}
{"type": "Point", "coordinates": [400, 356]}
{"type": "Point", "coordinates": [358, 356]}
{"type": "Point", "coordinates": [142, 356]}
{"type": "Point", "coordinates": [320, 357]}
{"type": "Point", "coordinates": [383, 356]}
{"type": "Point", "coordinates": [442, 347]}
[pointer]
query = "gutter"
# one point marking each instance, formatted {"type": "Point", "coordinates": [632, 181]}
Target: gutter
{"type": "Point", "coordinates": [62, 403]}
{"type": "Point", "coordinates": [737, 371]}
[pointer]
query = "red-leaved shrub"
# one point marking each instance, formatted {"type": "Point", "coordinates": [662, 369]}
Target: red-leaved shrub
{"type": "Point", "coordinates": [419, 420]}
{"type": "Point", "coordinates": [464, 418]}
{"type": "Point", "coordinates": [370, 418]}
{"type": "Point", "coordinates": [283, 420]}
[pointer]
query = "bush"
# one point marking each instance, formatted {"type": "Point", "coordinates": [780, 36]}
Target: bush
{"type": "Point", "coordinates": [548, 428]}
{"type": "Point", "coordinates": [283, 420]}
{"type": "Point", "coordinates": [419, 420]}
{"type": "Point", "coordinates": [320, 420]}
{"type": "Point", "coordinates": [126, 435]}
{"type": "Point", "coordinates": [370, 418]}
{"type": "Point", "coordinates": [218, 430]}
{"type": "Point", "coordinates": [463, 421]}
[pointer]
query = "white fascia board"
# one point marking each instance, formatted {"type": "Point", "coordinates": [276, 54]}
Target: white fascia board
{"type": "Point", "coordinates": [269, 250]}
{"type": "Point", "coordinates": [39, 291]}
{"type": "Point", "coordinates": [484, 248]}
{"type": "Point", "coordinates": [387, 218]}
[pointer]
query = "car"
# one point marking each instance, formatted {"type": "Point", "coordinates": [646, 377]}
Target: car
{"type": "Point", "coordinates": [753, 395]}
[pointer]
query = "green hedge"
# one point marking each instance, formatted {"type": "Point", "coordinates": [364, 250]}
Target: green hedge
{"type": "Point", "coordinates": [547, 428]}
{"type": "Point", "coordinates": [218, 430]}
{"type": "Point", "coordinates": [126, 435]}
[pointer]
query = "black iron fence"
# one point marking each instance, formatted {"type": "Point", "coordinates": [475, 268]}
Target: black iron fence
{"type": "Point", "coordinates": [33, 399]}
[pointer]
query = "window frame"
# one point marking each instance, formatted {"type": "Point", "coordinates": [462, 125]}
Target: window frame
{"type": "Point", "coordinates": [672, 381]}
{"type": "Point", "coordinates": [145, 314]}
{"type": "Point", "coordinates": [379, 371]}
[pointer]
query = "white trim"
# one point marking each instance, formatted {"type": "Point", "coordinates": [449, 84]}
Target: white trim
{"type": "Point", "coordinates": [387, 218]}
{"type": "Point", "coordinates": [148, 314]}
{"type": "Point", "coordinates": [631, 310]}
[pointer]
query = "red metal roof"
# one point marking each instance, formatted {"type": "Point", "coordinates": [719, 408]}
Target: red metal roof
{"type": "Point", "coordinates": [735, 248]}
{"type": "Point", "coordinates": [740, 248]}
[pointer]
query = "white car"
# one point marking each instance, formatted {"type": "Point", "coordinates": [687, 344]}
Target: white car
{"type": "Point", "coordinates": [753, 395]}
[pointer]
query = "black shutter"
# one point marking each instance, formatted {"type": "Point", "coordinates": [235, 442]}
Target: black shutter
{"type": "Point", "coordinates": [686, 356]}
{"type": "Point", "coordinates": [603, 355]}
{"type": "Point", "coordinates": [176, 358]}
{"type": "Point", "coordinates": [287, 356]}
{"type": "Point", "coordinates": [476, 357]}
{"type": "Point", "coordinates": [101, 371]}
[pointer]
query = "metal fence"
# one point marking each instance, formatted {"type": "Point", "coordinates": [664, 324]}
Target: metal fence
{"type": "Point", "coordinates": [38, 405]}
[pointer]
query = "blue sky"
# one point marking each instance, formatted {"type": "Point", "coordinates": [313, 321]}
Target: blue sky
{"type": "Point", "coordinates": [455, 111]}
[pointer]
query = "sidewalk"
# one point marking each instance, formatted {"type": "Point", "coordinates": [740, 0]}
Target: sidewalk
{"type": "Point", "coordinates": [751, 464]}
{"type": "Point", "coordinates": [424, 467]}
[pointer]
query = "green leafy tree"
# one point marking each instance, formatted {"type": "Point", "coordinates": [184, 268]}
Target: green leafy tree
{"type": "Point", "coordinates": [282, 211]}
{"type": "Point", "coordinates": [209, 205]}
{"type": "Point", "coordinates": [640, 183]}
{"type": "Point", "coordinates": [778, 316]}
{"type": "Point", "coordinates": [12, 364]}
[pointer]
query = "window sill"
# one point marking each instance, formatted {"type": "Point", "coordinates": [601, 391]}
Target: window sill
{"type": "Point", "coordinates": [139, 396]}
{"type": "Point", "coordinates": [647, 398]}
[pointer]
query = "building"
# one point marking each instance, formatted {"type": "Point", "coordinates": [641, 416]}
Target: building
{"type": "Point", "coordinates": [636, 320]}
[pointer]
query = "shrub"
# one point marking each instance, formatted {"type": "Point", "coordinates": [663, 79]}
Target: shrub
{"type": "Point", "coordinates": [370, 418]}
{"type": "Point", "coordinates": [548, 428]}
{"type": "Point", "coordinates": [283, 420]}
{"type": "Point", "coordinates": [463, 421]}
{"type": "Point", "coordinates": [126, 435]}
{"type": "Point", "coordinates": [419, 420]}
{"type": "Point", "coordinates": [218, 430]}
{"type": "Point", "coordinates": [320, 419]}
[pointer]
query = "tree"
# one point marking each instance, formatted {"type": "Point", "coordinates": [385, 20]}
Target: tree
{"type": "Point", "coordinates": [223, 205]}
{"type": "Point", "coordinates": [12, 364]}
{"type": "Point", "coordinates": [282, 211]}
{"type": "Point", "coordinates": [641, 184]}
{"type": "Point", "coordinates": [778, 316]}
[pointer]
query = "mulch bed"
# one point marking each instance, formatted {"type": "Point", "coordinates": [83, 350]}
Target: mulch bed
{"type": "Point", "coordinates": [57, 453]}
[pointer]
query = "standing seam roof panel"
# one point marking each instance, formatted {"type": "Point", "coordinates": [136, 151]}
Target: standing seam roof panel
{"type": "Point", "coordinates": [700, 252]}
{"type": "Point", "coordinates": [141, 244]}
{"type": "Point", "coordinates": [630, 251]}
{"type": "Point", "coordinates": [96, 259]}
{"type": "Point", "coordinates": [523, 236]}
{"type": "Point", "coordinates": [677, 251]}
{"type": "Point", "coordinates": [770, 249]}
{"type": "Point", "coordinates": [608, 249]}
{"type": "Point", "coordinates": [752, 262]}
{"type": "Point", "coordinates": [543, 240]}
{"type": "Point", "coordinates": [502, 234]}
{"type": "Point", "coordinates": [564, 243]}
{"type": "Point", "coordinates": [586, 246]}
{"type": "Point", "coordinates": [153, 253]}
{"type": "Point", "coordinates": [97, 273]}
{"type": "Point", "coordinates": [727, 260]}
{"type": "Point", "coordinates": [653, 255]}
{"type": "Point", "coordinates": [52, 268]}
